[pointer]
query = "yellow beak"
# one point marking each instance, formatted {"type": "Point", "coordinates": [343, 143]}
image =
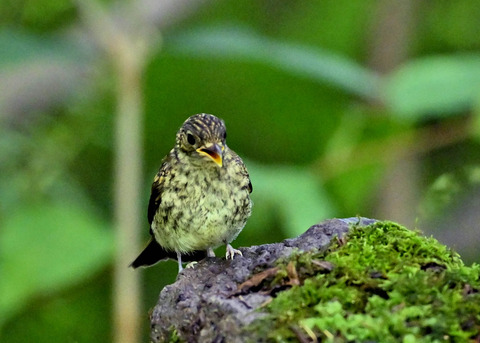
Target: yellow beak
{"type": "Point", "coordinates": [214, 151]}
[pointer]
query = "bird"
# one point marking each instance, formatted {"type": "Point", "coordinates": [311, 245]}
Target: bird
{"type": "Point", "coordinates": [200, 197]}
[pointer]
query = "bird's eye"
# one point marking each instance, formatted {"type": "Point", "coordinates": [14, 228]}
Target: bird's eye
{"type": "Point", "coordinates": [191, 139]}
{"type": "Point", "coordinates": [225, 135]}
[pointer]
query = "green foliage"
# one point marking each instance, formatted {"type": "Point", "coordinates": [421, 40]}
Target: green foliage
{"type": "Point", "coordinates": [46, 247]}
{"type": "Point", "coordinates": [280, 187]}
{"type": "Point", "coordinates": [434, 86]}
{"type": "Point", "coordinates": [453, 33]}
{"type": "Point", "coordinates": [301, 61]}
{"type": "Point", "coordinates": [52, 237]}
{"type": "Point", "coordinates": [76, 314]}
{"type": "Point", "coordinates": [388, 284]}
{"type": "Point", "coordinates": [20, 47]}
{"type": "Point", "coordinates": [38, 15]}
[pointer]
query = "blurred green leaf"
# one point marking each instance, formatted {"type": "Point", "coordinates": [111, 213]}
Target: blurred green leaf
{"type": "Point", "coordinates": [434, 86]}
{"type": "Point", "coordinates": [57, 318]}
{"type": "Point", "coordinates": [245, 45]}
{"type": "Point", "coordinates": [47, 14]}
{"type": "Point", "coordinates": [46, 247]}
{"type": "Point", "coordinates": [16, 47]}
{"type": "Point", "coordinates": [292, 191]}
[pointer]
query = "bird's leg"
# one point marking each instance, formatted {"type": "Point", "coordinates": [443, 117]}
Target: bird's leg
{"type": "Point", "coordinates": [179, 258]}
{"type": "Point", "coordinates": [210, 252]}
{"type": "Point", "coordinates": [231, 252]}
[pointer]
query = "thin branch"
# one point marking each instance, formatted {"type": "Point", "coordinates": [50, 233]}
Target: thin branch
{"type": "Point", "coordinates": [126, 47]}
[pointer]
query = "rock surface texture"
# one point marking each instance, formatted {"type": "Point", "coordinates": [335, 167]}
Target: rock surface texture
{"type": "Point", "coordinates": [208, 304]}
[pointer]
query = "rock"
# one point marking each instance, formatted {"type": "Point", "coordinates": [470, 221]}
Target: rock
{"type": "Point", "coordinates": [205, 304]}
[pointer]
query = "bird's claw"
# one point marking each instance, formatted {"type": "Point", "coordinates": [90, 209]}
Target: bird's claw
{"type": "Point", "coordinates": [191, 265]}
{"type": "Point", "coordinates": [231, 252]}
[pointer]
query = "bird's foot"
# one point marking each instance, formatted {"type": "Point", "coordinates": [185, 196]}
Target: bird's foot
{"type": "Point", "coordinates": [191, 265]}
{"type": "Point", "coordinates": [231, 252]}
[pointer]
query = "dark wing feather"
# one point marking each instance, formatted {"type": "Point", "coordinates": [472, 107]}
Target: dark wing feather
{"type": "Point", "coordinates": [154, 252]}
{"type": "Point", "coordinates": [157, 190]}
{"type": "Point", "coordinates": [243, 169]}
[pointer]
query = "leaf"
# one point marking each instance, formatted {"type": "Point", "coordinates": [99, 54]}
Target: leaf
{"type": "Point", "coordinates": [226, 42]}
{"type": "Point", "coordinates": [292, 274]}
{"type": "Point", "coordinates": [436, 86]}
{"type": "Point", "coordinates": [257, 279]}
{"type": "Point", "coordinates": [295, 194]}
{"type": "Point", "coordinates": [46, 247]}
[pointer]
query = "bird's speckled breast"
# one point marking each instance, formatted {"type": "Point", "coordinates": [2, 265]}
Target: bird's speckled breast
{"type": "Point", "coordinates": [203, 207]}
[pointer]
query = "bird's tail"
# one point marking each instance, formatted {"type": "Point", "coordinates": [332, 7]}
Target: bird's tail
{"type": "Point", "coordinates": [154, 253]}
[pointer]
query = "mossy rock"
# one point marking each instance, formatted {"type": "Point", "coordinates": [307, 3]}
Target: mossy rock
{"type": "Point", "coordinates": [338, 282]}
{"type": "Point", "coordinates": [387, 284]}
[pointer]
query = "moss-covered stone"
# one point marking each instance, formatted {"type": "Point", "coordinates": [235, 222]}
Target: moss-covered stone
{"type": "Point", "coordinates": [386, 284]}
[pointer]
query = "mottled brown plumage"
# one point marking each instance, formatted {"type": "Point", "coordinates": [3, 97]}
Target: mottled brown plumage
{"type": "Point", "coordinates": [200, 197]}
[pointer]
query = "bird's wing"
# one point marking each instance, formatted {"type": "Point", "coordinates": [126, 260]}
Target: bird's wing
{"type": "Point", "coordinates": [154, 252]}
{"type": "Point", "coordinates": [157, 189]}
{"type": "Point", "coordinates": [243, 169]}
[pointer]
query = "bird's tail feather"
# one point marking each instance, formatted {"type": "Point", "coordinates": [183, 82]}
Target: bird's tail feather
{"type": "Point", "coordinates": [154, 253]}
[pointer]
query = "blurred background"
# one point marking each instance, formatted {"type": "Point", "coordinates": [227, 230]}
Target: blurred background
{"type": "Point", "coordinates": [339, 108]}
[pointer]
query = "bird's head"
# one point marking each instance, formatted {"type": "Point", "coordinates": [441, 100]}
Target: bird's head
{"type": "Point", "coordinates": [202, 138]}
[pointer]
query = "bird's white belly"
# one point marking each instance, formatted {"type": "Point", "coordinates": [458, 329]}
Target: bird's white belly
{"type": "Point", "coordinates": [206, 218]}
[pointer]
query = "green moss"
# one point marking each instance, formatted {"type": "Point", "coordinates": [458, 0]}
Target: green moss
{"type": "Point", "coordinates": [173, 337]}
{"type": "Point", "coordinates": [387, 284]}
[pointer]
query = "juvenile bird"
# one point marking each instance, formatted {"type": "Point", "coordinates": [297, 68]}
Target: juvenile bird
{"type": "Point", "coordinates": [200, 197]}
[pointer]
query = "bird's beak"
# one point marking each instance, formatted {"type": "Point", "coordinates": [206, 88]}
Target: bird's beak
{"type": "Point", "coordinates": [214, 151]}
